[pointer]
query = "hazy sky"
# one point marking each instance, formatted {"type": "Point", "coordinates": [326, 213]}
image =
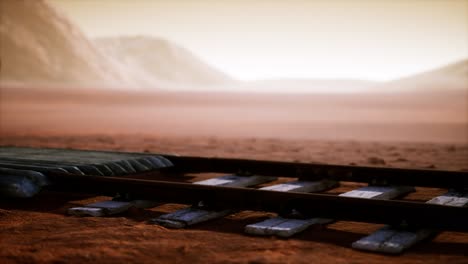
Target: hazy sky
{"type": "Point", "coordinates": [374, 39]}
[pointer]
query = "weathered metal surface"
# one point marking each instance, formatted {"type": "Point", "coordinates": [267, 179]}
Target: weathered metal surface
{"type": "Point", "coordinates": [188, 216]}
{"type": "Point", "coordinates": [236, 181]}
{"type": "Point", "coordinates": [314, 171]}
{"type": "Point", "coordinates": [303, 186]}
{"type": "Point", "coordinates": [87, 211]}
{"type": "Point", "coordinates": [391, 240]}
{"type": "Point", "coordinates": [83, 162]}
{"type": "Point", "coordinates": [379, 192]}
{"type": "Point", "coordinates": [286, 227]}
{"type": "Point", "coordinates": [21, 183]}
{"type": "Point", "coordinates": [394, 240]}
{"type": "Point", "coordinates": [283, 227]}
{"type": "Point", "coordinates": [192, 215]}
{"type": "Point", "coordinates": [323, 205]}
{"type": "Point", "coordinates": [101, 208]}
{"type": "Point", "coordinates": [305, 171]}
{"type": "Point", "coordinates": [452, 198]}
{"type": "Point", "coordinates": [24, 171]}
{"type": "Point", "coordinates": [70, 156]}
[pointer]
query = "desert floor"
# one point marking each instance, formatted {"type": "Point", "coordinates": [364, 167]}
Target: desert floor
{"type": "Point", "coordinates": [38, 230]}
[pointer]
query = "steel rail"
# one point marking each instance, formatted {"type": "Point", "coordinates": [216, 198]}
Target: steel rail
{"type": "Point", "coordinates": [415, 214]}
{"type": "Point", "coordinates": [310, 171]}
{"type": "Point", "coordinates": [305, 171]}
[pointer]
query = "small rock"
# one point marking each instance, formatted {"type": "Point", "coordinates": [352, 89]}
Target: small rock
{"type": "Point", "coordinates": [376, 161]}
{"type": "Point", "coordinates": [451, 148]}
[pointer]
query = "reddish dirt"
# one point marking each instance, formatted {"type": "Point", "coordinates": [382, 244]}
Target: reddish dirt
{"type": "Point", "coordinates": [38, 230]}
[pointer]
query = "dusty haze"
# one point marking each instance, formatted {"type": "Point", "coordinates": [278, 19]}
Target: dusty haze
{"type": "Point", "coordinates": [53, 74]}
{"type": "Point", "coordinates": [61, 86]}
{"type": "Point", "coordinates": [299, 39]}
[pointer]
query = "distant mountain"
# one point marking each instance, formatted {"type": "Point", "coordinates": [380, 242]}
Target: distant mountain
{"type": "Point", "coordinates": [453, 77]}
{"type": "Point", "coordinates": [450, 80]}
{"type": "Point", "coordinates": [305, 85]}
{"type": "Point", "coordinates": [39, 45]}
{"type": "Point", "coordinates": [151, 59]}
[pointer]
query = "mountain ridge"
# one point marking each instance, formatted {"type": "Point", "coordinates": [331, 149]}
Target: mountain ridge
{"type": "Point", "coordinates": [39, 45]}
{"type": "Point", "coordinates": [157, 56]}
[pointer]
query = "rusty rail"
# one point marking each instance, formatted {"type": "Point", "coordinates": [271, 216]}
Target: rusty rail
{"type": "Point", "coordinates": [311, 171]}
{"type": "Point", "coordinates": [320, 205]}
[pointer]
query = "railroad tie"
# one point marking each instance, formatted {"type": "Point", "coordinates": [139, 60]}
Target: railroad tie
{"type": "Point", "coordinates": [379, 192]}
{"type": "Point", "coordinates": [101, 208]}
{"type": "Point", "coordinates": [188, 215]}
{"type": "Point", "coordinates": [193, 215]}
{"type": "Point", "coordinates": [111, 207]}
{"type": "Point", "coordinates": [396, 239]}
{"type": "Point", "coordinates": [286, 227]}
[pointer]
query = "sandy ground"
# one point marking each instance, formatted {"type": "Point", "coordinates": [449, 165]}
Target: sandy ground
{"type": "Point", "coordinates": [39, 231]}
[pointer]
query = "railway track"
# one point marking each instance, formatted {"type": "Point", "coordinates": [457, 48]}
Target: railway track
{"type": "Point", "coordinates": [299, 202]}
